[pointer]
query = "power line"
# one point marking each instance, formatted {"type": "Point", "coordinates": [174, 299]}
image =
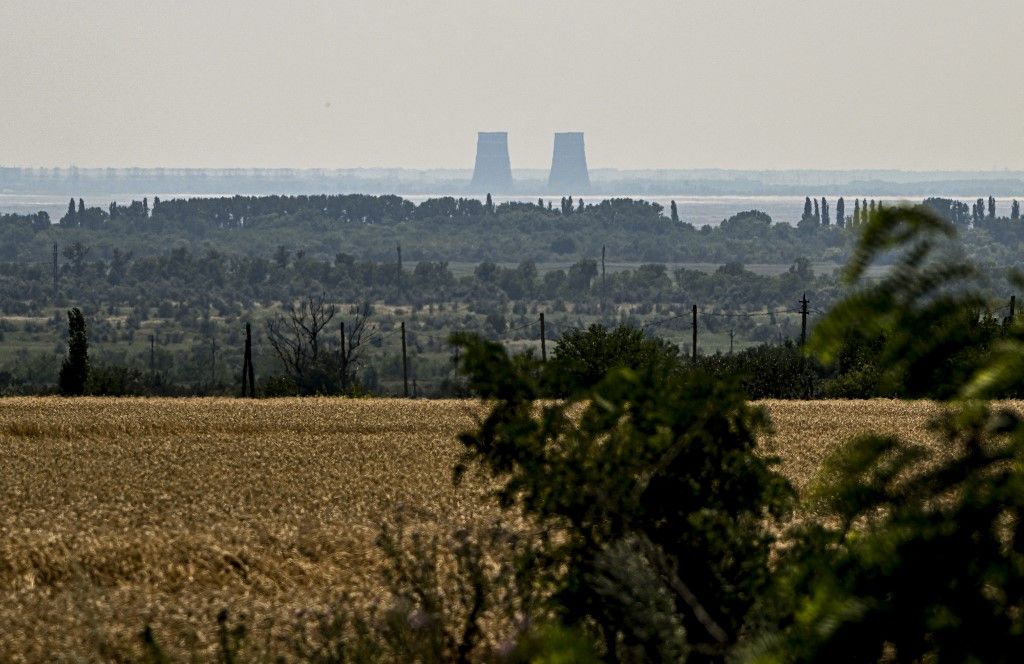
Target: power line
{"type": "Point", "coordinates": [524, 326]}
{"type": "Point", "coordinates": [722, 314]}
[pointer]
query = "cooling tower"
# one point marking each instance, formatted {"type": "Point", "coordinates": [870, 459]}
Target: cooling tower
{"type": "Point", "coordinates": [493, 170]}
{"type": "Point", "coordinates": [569, 173]}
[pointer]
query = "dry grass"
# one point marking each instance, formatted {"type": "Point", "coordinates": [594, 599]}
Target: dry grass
{"type": "Point", "coordinates": [119, 512]}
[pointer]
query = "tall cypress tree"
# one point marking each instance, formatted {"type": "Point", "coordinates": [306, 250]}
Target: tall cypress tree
{"type": "Point", "coordinates": [675, 212]}
{"type": "Point", "coordinates": [840, 212]}
{"type": "Point", "coordinates": [807, 219]}
{"type": "Point", "coordinates": [70, 216]}
{"type": "Point", "coordinates": [1015, 210]}
{"type": "Point", "coordinates": [74, 370]}
{"type": "Point", "coordinates": [826, 219]}
{"type": "Point", "coordinates": [991, 207]}
{"type": "Point", "coordinates": [856, 212]}
{"type": "Point", "coordinates": [817, 213]}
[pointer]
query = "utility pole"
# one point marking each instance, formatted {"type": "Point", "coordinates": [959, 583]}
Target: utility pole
{"type": "Point", "coordinates": [252, 370]}
{"type": "Point", "coordinates": [803, 320]}
{"type": "Point", "coordinates": [55, 270]}
{"type": "Point", "coordinates": [344, 360]}
{"type": "Point", "coordinates": [604, 289]}
{"type": "Point", "coordinates": [152, 354]}
{"type": "Point", "coordinates": [405, 366]}
{"type": "Point", "coordinates": [543, 340]}
{"type": "Point", "coordinates": [730, 341]}
{"type": "Point", "coordinates": [695, 333]}
{"type": "Point", "coordinates": [248, 379]}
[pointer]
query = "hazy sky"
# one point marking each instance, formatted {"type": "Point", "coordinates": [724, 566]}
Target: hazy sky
{"type": "Point", "coordinates": [928, 84]}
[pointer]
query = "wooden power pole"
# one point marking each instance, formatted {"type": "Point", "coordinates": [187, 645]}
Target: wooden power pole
{"type": "Point", "coordinates": [248, 378]}
{"type": "Point", "coordinates": [543, 340]}
{"type": "Point", "coordinates": [405, 366]}
{"type": "Point", "coordinates": [694, 333]}
{"type": "Point", "coordinates": [803, 320]}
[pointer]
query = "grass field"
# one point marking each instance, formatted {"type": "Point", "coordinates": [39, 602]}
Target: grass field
{"type": "Point", "coordinates": [121, 512]}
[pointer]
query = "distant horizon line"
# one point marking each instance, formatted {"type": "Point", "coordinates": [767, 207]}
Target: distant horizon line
{"type": "Point", "coordinates": [540, 169]}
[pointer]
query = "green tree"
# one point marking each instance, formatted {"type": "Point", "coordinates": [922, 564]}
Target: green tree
{"type": "Point", "coordinates": [281, 256]}
{"type": "Point", "coordinates": [583, 357]}
{"type": "Point", "coordinates": [931, 342]}
{"type": "Point", "coordinates": [811, 216]}
{"type": "Point", "coordinates": [675, 212]}
{"type": "Point", "coordinates": [74, 370]}
{"type": "Point", "coordinates": [76, 254]}
{"type": "Point", "coordinates": [69, 218]}
{"type": "Point", "coordinates": [654, 511]}
{"type": "Point", "coordinates": [991, 207]}
{"type": "Point", "coordinates": [581, 274]}
{"type": "Point", "coordinates": [1015, 210]}
{"type": "Point", "coordinates": [840, 212]}
{"type": "Point", "coordinates": [912, 557]}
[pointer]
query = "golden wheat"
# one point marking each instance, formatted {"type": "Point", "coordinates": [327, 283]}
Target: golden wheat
{"type": "Point", "coordinates": [121, 512]}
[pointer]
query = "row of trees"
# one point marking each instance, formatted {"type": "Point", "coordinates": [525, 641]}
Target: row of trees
{"type": "Point", "coordinates": [126, 280]}
{"type": "Point", "coordinates": [242, 211]}
{"type": "Point", "coordinates": [467, 230]}
{"type": "Point", "coordinates": [957, 212]}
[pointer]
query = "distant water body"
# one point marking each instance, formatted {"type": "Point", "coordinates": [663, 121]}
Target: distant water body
{"type": "Point", "coordinates": [697, 210]}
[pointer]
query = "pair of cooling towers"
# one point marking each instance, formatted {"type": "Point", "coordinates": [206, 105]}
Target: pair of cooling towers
{"type": "Point", "coordinates": [493, 170]}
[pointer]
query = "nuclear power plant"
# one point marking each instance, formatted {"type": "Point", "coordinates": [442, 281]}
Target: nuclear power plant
{"type": "Point", "coordinates": [569, 174]}
{"type": "Point", "coordinates": [492, 173]}
{"type": "Point", "coordinates": [493, 170]}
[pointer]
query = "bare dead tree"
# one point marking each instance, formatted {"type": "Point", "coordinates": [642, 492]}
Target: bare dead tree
{"type": "Point", "coordinates": [352, 342]}
{"type": "Point", "coordinates": [296, 338]}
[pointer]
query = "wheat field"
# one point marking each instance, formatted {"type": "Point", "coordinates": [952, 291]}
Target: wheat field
{"type": "Point", "coordinates": [118, 513]}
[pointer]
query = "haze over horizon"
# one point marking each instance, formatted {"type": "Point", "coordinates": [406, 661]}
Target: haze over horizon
{"type": "Point", "coordinates": [745, 85]}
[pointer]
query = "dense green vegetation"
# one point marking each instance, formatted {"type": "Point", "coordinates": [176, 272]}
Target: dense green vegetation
{"type": "Point", "coordinates": [450, 229]}
{"type": "Point", "coordinates": [167, 288]}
